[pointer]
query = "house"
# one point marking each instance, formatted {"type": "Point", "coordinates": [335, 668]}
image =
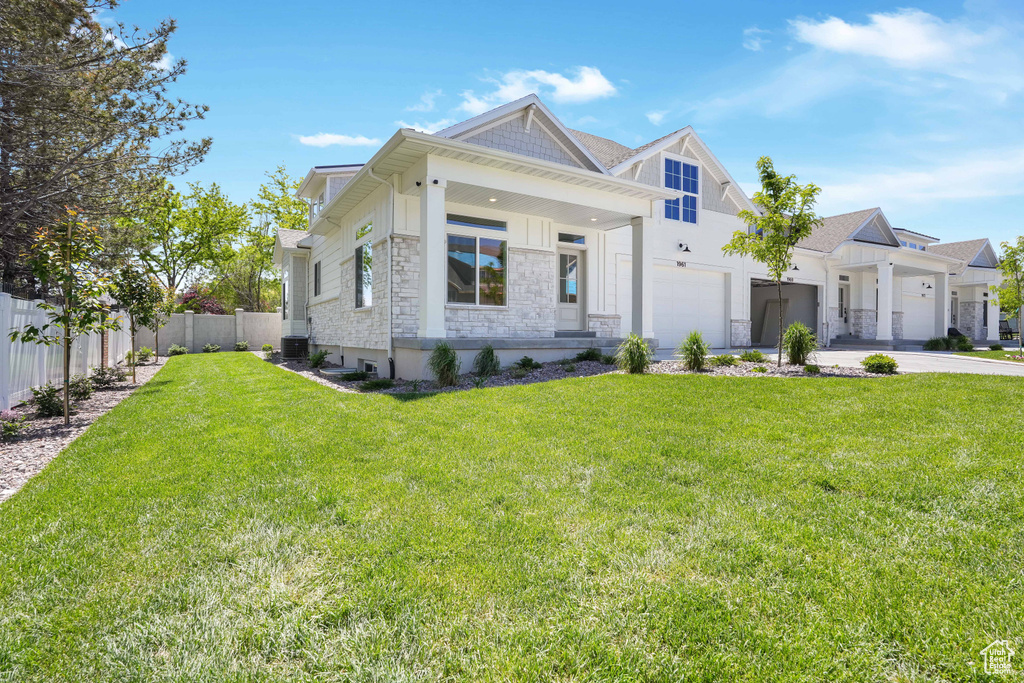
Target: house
{"type": "Point", "coordinates": [512, 230]}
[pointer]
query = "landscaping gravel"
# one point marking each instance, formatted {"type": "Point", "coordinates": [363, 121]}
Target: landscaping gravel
{"type": "Point", "coordinates": [43, 438]}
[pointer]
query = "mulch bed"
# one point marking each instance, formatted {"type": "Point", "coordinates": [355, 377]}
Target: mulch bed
{"type": "Point", "coordinates": [556, 370]}
{"type": "Point", "coordinates": [43, 438]}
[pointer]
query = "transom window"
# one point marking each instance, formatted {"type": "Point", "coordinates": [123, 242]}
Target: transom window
{"type": "Point", "coordinates": [569, 238]}
{"type": "Point", "coordinates": [684, 178]}
{"type": "Point", "coordinates": [471, 222]}
{"type": "Point", "coordinates": [476, 270]}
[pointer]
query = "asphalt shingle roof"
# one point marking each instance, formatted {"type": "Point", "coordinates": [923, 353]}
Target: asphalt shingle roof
{"type": "Point", "coordinates": [964, 251]}
{"type": "Point", "coordinates": [290, 238]}
{"type": "Point", "coordinates": [609, 152]}
{"type": "Point", "coordinates": [834, 230]}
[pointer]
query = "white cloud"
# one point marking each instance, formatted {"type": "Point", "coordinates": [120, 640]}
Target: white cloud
{"type": "Point", "coordinates": [656, 117]}
{"type": "Point", "coordinates": [586, 84]}
{"type": "Point", "coordinates": [427, 101]}
{"type": "Point", "coordinates": [753, 40]}
{"type": "Point", "coordinates": [428, 127]}
{"type": "Point", "coordinates": [329, 139]}
{"type": "Point", "coordinates": [906, 38]}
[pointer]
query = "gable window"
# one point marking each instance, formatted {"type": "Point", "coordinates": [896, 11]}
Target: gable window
{"type": "Point", "coordinates": [476, 270]}
{"type": "Point", "coordinates": [364, 267]}
{"type": "Point", "coordinates": [685, 179]}
{"type": "Point", "coordinates": [317, 205]}
{"type": "Point", "coordinates": [316, 279]}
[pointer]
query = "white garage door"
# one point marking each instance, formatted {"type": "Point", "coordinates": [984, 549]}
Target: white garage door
{"type": "Point", "coordinates": [685, 299]}
{"type": "Point", "coordinates": [918, 317]}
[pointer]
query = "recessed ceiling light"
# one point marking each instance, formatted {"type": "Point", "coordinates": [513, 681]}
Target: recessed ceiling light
{"type": "Point", "coordinates": [493, 199]}
{"type": "Point", "coordinates": [594, 219]}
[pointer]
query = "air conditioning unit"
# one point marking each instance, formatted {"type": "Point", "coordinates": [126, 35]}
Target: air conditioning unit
{"type": "Point", "coordinates": [294, 348]}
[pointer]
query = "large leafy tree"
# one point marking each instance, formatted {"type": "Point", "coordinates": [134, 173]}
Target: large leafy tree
{"type": "Point", "coordinates": [86, 117]}
{"type": "Point", "coordinates": [141, 296]}
{"type": "Point", "coordinates": [786, 216]}
{"type": "Point", "coordinates": [63, 257]}
{"type": "Point", "coordinates": [1010, 293]}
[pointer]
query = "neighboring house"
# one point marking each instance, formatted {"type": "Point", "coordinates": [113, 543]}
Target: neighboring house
{"type": "Point", "coordinates": [512, 230]}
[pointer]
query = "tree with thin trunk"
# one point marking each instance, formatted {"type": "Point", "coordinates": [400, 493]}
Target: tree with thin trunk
{"type": "Point", "coordinates": [785, 216]}
{"type": "Point", "coordinates": [140, 295]}
{"type": "Point", "coordinates": [63, 257]}
{"type": "Point", "coordinates": [1010, 293]}
{"type": "Point", "coordinates": [164, 310]}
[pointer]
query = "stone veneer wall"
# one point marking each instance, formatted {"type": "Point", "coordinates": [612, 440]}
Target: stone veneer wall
{"type": "Point", "coordinates": [605, 325]}
{"type": "Point", "coordinates": [863, 323]}
{"type": "Point", "coordinates": [897, 324]}
{"type": "Point", "coordinates": [336, 322]}
{"type": "Point", "coordinates": [972, 319]}
{"type": "Point", "coordinates": [833, 322]}
{"type": "Point", "coordinates": [739, 333]}
{"type": "Point", "coordinates": [531, 297]}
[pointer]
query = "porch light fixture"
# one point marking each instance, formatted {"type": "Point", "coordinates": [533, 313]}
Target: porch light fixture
{"type": "Point", "coordinates": [684, 247]}
{"type": "Point", "coordinates": [928, 286]}
{"type": "Point", "coordinates": [493, 199]}
{"type": "Point", "coordinates": [593, 220]}
{"type": "Point", "coordinates": [796, 267]}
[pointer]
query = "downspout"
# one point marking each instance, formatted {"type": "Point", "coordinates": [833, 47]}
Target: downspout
{"type": "Point", "coordinates": [828, 325]}
{"type": "Point", "coordinates": [391, 279]}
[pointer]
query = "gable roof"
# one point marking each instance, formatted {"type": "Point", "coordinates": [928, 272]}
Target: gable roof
{"type": "Point", "coordinates": [287, 239]}
{"type": "Point", "coordinates": [834, 230]}
{"type": "Point", "coordinates": [969, 251]}
{"type": "Point", "coordinates": [607, 151]}
{"type": "Point", "coordinates": [530, 106]}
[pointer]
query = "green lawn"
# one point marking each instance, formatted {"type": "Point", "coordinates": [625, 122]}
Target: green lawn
{"type": "Point", "coordinates": [231, 521]}
{"type": "Point", "coordinates": [998, 355]}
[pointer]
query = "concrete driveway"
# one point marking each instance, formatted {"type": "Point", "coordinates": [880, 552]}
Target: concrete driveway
{"type": "Point", "coordinates": [909, 361]}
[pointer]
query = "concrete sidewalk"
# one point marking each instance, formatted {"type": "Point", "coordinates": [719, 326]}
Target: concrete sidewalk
{"type": "Point", "coordinates": [909, 361]}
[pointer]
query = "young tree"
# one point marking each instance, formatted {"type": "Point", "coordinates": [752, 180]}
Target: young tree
{"type": "Point", "coordinates": [786, 217]}
{"type": "Point", "coordinates": [140, 295]}
{"type": "Point", "coordinates": [86, 117]}
{"type": "Point", "coordinates": [164, 310]}
{"type": "Point", "coordinates": [63, 258]}
{"type": "Point", "coordinates": [1010, 293]}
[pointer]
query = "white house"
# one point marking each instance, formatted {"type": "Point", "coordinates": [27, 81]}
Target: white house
{"type": "Point", "coordinates": [512, 230]}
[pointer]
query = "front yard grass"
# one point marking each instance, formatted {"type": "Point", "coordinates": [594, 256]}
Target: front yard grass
{"type": "Point", "coordinates": [997, 355]}
{"type": "Point", "coordinates": [232, 521]}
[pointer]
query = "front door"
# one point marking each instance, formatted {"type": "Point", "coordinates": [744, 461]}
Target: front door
{"type": "Point", "coordinates": [569, 314]}
{"type": "Point", "coordinates": [954, 308]}
{"type": "Point", "coordinates": [843, 323]}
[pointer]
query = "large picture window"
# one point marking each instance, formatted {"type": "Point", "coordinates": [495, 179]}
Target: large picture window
{"type": "Point", "coordinates": [364, 275]}
{"type": "Point", "coordinates": [476, 270]}
{"type": "Point", "coordinates": [684, 178]}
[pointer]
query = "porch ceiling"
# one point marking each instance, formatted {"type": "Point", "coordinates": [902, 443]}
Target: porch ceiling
{"type": "Point", "coordinates": [562, 212]}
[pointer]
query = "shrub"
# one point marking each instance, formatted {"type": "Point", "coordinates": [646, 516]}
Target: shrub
{"type": "Point", "coordinates": [357, 376]}
{"type": "Point", "coordinates": [268, 351]}
{"type": "Point", "coordinates": [480, 382]}
{"type": "Point", "coordinates": [694, 351]}
{"type": "Point", "coordinates": [724, 360]}
{"type": "Point", "coordinates": [377, 384]}
{"type": "Point", "coordinates": [131, 358]}
{"type": "Point", "coordinates": [107, 377]}
{"type": "Point", "coordinates": [995, 347]}
{"type": "Point", "coordinates": [11, 423]}
{"type": "Point", "coordinates": [518, 372]}
{"type": "Point", "coordinates": [49, 401]}
{"type": "Point", "coordinates": [964, 344]}
{"type": "Point", "coordinates": [81, 387]}
{"type": "Point", "coordinates": [812, 369]}
{"type": "Point", "coordinates": [414, 385]}
{"type": "Point", "coordinates": [145, 354]}
{"type": "Point", "coordinates": [590, 354]}
{"type": "Point", "coordinates": [608, 359]}
{"type": "Point", "coordinates": [445, 364]}
{"type": "Point", "coordinates": [176, 350]}
{"type": "Point", "coordinates": [486, 362]}
{"type": "Point", "coordinates": [938, 344]}
{"type": "Point", "coordinates": [211, 348]}
{"type": "Point", "coordinates": [527, 363]}
{"type": "Point", "coordinates": [753, 356]}
{"type": "Point", "coordinates": [759, 368]}
{"type": "Point", "coordinates": [799, 343]}
{"type": "Point", "coordinates": [317, 359]}
{"type": "Point", "coordinates": [242, 346]}
{"type": "Point", "coordinates": [569, 367]}
{"type": "Point", "coordinates": [634, 355]}
{"type": "Point", "coordinates": [880, 364]}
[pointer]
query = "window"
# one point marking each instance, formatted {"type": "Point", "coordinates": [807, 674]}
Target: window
{"type": "Point", "coordinates": [482, 223]}
{"type": "Point", "coordinates": [364, 275]}
{"type": "Point", "coordinates": [476, 270]}
{"type": "Point", "coordinates": [568, 278]}
{"type": "Point", "coordinates": [903, 242]}
{"type": "Point", "coordinates": [921, 247]}
{"type": "Point", "coordinates": [317, 205]}
{"type": "Point", "coordinates": [684, 178]}
{"type": "Point", "coordinates": [284, 300]}
{"type": "Point", "coordinates": [569, 238]}
{"type": "Point", "coordinates": [316, 279]}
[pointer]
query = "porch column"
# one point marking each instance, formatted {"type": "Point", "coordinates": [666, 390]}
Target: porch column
{"type": "Point", "coordinates": [883, 330]}
{"type": "Point", "coordinates": [992, 329]}
{"type": "Point", "coordinates": [433, 266]}
{"type": "Point", "coordinates": [942, 301]}
{"type": "Point", "coordinates": [643, 277]}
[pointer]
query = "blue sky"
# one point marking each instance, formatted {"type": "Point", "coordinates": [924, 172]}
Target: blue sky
{"type": "Point", "coordinates": [915, 108]}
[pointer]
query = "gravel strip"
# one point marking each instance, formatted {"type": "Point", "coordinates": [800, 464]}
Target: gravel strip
{"type": "Point", "coordinates": [554, 370]}
{"type": "Point", "coordinates": [43, 438]}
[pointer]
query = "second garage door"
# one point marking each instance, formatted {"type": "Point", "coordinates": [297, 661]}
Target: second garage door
{"type": "Point", "coordinates": [685, 299]}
